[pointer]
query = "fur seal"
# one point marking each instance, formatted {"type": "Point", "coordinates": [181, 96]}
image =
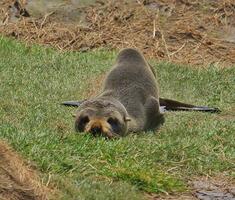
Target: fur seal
{"type": "Point", "coordinates": [129, 101]}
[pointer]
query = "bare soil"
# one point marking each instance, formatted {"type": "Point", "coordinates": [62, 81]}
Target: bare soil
{"type": "Point", "coordinates": [195, 32]}
{"type": "Point", "coordinates": [204, 188]}
{"type": "Point", "coordinates": [18, 180]}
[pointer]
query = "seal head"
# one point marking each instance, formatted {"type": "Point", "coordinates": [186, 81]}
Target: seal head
{"type": "Point", "coordinates": [102, 117]}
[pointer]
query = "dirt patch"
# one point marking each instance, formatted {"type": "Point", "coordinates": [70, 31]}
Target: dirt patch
{"type": "Point", "coordinates": [17, 180]}
{"type": "Point", "coordinates": [204, 188]}
{"type": "Point", "coordinates": [181, 31]}
{"type": "Point", "coordinates": [219, 188]}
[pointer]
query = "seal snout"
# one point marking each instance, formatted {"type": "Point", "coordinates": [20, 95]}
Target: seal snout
{"type": "Point", "coordinates": [96, 131]}
{"type": "Point", "coordinates": [98, 127]}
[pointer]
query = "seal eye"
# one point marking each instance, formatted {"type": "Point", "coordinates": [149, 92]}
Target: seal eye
{"type": "Point", "coordinates": [114, 123]}
{"type": "Point", "coordinates": [84, 120]}
{"type": "Point", "coordinates": [80, 123]}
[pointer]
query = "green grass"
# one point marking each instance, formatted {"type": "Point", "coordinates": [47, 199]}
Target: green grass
{"type": "Point", "coordinates": [34, 80]}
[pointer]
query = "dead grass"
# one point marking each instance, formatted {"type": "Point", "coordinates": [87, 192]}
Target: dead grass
{"type": "Point", "coordinates": [181, 31]}
{"type": "Point", "coordinates": [18, 181]}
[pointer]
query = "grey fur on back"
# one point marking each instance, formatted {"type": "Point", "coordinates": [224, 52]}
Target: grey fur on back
{"type": "Point", "coordinates": [132, 82]}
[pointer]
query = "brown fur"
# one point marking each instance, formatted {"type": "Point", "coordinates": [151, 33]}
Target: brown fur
{"type": "Point", "coordinates": [17, 180]}
{"type": "Point", "coordinates": [98, 123]}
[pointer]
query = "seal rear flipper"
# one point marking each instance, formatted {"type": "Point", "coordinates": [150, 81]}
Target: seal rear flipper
{"type": "Point", "coordinates": [72, 103]}
{"type": "Point", "coordinates": [172, 105]}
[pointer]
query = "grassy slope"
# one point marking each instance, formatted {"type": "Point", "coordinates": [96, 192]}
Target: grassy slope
{"type": "Point", "coordinates": [34, 80]}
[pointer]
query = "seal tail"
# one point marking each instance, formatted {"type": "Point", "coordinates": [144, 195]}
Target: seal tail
{"type": "Point", "coordinates": [172, 105]}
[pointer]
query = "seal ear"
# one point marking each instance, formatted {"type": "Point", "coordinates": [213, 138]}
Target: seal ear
{"type": "Point", "coordinates": [127, 119]}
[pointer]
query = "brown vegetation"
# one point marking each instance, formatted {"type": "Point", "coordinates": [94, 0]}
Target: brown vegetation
{"type": "Point", "coordinates": [182, 31]}
{"type": "Point", "coordinates": [17, 180]}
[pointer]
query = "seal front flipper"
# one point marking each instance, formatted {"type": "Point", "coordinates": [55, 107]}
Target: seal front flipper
{"type": "Point", "coordinates": [200, 108]}
{"type": "Point", "coordinates": [165, 105]}
{"type": "Point", "coordinates": [172, 105]}
{"type": "Point", "coordinates": [73, 103]}
{"type": "Point", "coordinates": [154, 116]}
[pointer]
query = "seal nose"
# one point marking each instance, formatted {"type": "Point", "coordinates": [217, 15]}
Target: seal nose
{"type": "Point", "coordinates": [96, 131]}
